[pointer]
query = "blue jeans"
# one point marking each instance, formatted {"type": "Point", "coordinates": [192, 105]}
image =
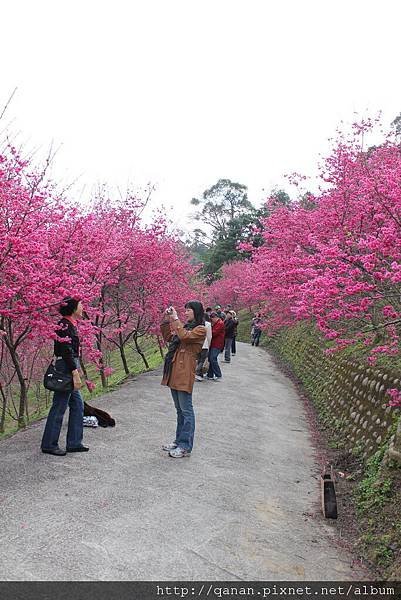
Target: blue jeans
{"type": "Point", "coordinates": [55, 418]}
{"type": "Point", "coordinates": [184, 436]}
{"type": "Point", "coordinates": [214, 367]}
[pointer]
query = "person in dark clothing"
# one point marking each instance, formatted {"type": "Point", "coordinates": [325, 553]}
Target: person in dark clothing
{"type": "Point", "coordinates": [256, 330]}
{"type": "Point", "coordinates": [234, 345]}
{"type": "Point", "coordinates": [229, 325]}
{"type": "Point", "coordinates": [67, 351]}
{"type": "Point", "coordinates": [220, 313]}
{"type": "Point", "coordinates": [216, 346]}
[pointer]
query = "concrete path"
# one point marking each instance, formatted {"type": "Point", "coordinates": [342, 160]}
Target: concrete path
{"type": "Point", "coordinates": [244, 506]}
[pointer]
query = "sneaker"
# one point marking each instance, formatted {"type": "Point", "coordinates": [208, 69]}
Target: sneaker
{"type": "Point", "coordinates": [179, 453]}
{"type": "Point", "coordinates": [210, 378]}
{"type": "Point", "coordinates": [198, 378]}
{"type": "Point", "coordinates": [168, 447]}
{"type": "Point", "coordinates": [218, 378]}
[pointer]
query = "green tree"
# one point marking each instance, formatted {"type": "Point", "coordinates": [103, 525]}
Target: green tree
{"type": "Point", "coordinates": [221, 203]}
{"type": "Point", "coordinates": [231, 218]}
{"type": "Point", "coordinates": [397, 124]}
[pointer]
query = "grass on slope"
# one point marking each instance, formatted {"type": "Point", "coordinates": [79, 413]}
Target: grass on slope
{"type": "Point", "coordinates": [39, 400]}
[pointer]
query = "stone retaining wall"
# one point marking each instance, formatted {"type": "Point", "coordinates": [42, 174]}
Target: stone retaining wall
{"type": "Point", "coordinates": [350, 396]}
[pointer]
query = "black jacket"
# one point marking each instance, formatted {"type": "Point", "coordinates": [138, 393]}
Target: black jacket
{"type": "Point", "coordinates": [68, 350]}
{"type": "Point", "coordinates": [235, 327]}
{"type": "Point", "coordinates": [229, 325]}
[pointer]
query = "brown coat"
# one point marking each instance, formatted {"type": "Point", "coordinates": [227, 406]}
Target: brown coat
{"type": "Point", "coordinates": [182, 375]}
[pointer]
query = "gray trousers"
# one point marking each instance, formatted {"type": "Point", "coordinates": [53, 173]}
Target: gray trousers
{"type": "Point", "coordinates": [227, 349]}
{"type": "Point", "coordinates": [202, 356]}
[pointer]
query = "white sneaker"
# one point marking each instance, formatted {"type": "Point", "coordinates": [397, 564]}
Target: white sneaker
{"type": "Point", "coordinates": [179, 453]}
{"type": "Point", "coordinates": [168, 447]}
{"type": "Point", "coordinates": [198, 378]}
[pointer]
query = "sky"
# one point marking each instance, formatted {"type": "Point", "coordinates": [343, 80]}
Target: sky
{"type": "Point", "coordinates": [181, 93]}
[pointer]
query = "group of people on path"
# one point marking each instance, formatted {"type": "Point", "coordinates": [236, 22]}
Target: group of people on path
{"type": "Point", "coordinates": [221, 332]}
{"type": "Point", "coordinates": [204, 335]}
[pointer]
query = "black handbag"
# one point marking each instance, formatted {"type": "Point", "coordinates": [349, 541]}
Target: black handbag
{"type": "Point", "coordinates": [57, 381]}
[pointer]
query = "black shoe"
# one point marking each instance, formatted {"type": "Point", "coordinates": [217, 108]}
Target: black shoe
{"type": "Point", "coordinates": [78, 449]}
{"type": "Point", "coordinates": [56, 451]}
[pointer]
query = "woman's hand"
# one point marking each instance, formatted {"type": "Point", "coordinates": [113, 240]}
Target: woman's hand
{"type": "Point", "coordinates": [76, 379]}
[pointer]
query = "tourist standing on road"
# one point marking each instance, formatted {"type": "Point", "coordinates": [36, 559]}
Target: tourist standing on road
{"type": "Point", "coordinates": [229, 326]}
{"type": "Point", "coordinates": [216, 346]}
{"type": "Point", "coordinates": [234, 345]}
{"type": "Point", "coordinates": [67, 351]}
{"type": "Point", "coordinates": [256, 331]}
{"type": "Point", "coordinates": [220, 313]}
{"type": "Point", "coordinates": [203, 354]}
{"type": "Point", "coordinates": [185, 343]}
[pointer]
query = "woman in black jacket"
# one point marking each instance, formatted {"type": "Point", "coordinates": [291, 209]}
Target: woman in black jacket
{"type": "Point", "coordinates": [67, 352]}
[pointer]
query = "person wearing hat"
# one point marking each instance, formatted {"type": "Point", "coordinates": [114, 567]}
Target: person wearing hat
{"type": "Point", "coordinates": [220, 313]}
{"type": "Point", "coordinates": [184, 344]}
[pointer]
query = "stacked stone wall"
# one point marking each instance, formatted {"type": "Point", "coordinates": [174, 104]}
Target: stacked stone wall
{"type": "Point", "coordinates": [350, 396]}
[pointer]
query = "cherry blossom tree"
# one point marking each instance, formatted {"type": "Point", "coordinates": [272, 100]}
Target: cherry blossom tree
{"type": "Point", "coordinates": [337, 260]}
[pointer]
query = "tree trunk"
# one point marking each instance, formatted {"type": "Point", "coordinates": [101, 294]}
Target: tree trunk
{"type": "Point", "coordinates": [101, 363]}
{"type": "Point", "coordinates": [3, 409]}
{"type": "Point", "coordinates": [122, 353]}
{"type": "Point", "coordinates": [160, 346]}
{"type": "Point", "coordinates": [23, 399]}
{"type": "Point", "coordinates": [83, 368]}
{"type": "Point", "coordinates": [138, 349]}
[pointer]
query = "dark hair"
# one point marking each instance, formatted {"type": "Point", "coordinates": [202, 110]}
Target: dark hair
{"type": "Point", "coordinates": [214, 314]}
{"type": "Point", "coordinates": [197, 307]}
{"type": "Point", "coordinates": [68, 306]}
{"type": "Point", "coordinates": [208, 309]}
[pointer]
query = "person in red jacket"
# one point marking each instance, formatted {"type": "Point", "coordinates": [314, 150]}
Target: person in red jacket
{"type": "Point", "coordinates": [216, 346]}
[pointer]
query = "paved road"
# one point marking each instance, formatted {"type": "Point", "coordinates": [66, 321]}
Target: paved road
{"type": "Point", "coordinates": [244, 506]}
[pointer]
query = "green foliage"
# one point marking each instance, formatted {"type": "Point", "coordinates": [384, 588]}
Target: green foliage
{"type": "Point", "coordinates": [225, 210]}
{"type": "Point", "coordinates": [223, 202]}
{"type": "Point", "coordinates": [373, 491]}
{"type": "Point", "coordinates": [197, 246]}
{"type": "Point", "coordinates": [396, 124]}
{"type": "Point", "coordinates": [225, 247]}
{"type": "Point", "coordinates": [279, 198]}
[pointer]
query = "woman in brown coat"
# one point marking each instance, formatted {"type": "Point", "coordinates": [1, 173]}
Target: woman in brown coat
{"type": "Point", "coordinates": [185, 343]}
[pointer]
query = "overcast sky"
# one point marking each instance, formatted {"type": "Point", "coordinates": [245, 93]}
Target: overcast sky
{"type": "Point", "coordinates": [184, 92]}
